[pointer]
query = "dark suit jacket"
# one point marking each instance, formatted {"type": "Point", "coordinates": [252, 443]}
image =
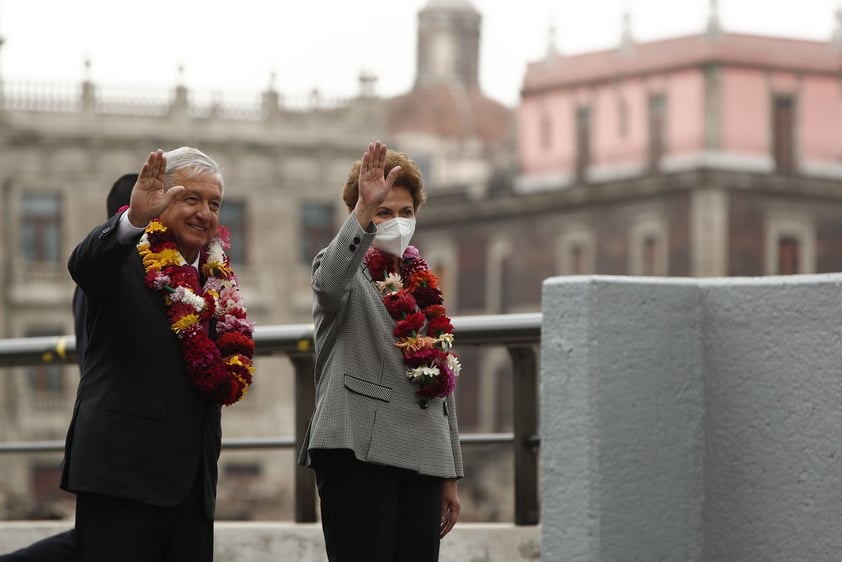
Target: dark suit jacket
{"type": "Point", "coordinates": [140, 430]}
{"type": "Point", "coordinates": [80, 308]}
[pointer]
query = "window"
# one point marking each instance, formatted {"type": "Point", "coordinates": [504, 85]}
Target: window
{"type": "Point", "coordinates": [623, 118]}
{"type": "Point", "coordinates": [783, 134]}
{"type": "Point", "coordinates": [232, 214]}
{"type": "Point", "coordinates": [40, 226]}
{"type": "Point", "coordinates": [657, 130]}
{"type": "Point", "coordinates": [790, 243]}
{"type": "Point", "coordinates": [649, 251]}
{"type": "Point", "coordinates": [316, 230]}
{"type": "Point", "coordinates": [471, 274]}
{"type": "Point", "coordinates": [583, 141]}
{"type": "Point", "coordinates": [577, 259]}
{"type": "Point", "coordinates": [576, 253]}
{"type": "Point", "coordinates": [506, 289]}
{"type": "Point", "coordinates": [788, 255]}
{"type": "Point", "coordinates": [44, 379]}
{"type": "Point", "coordinates": [546, 132]}
{"type": "Point", "coordinates": [648, 247]}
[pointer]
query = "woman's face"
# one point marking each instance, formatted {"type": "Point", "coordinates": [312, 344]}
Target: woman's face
{"type": "Point", "coordinates": [398, 203]}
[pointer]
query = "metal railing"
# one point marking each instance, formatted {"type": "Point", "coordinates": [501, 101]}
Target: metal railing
{"type": "Point", "coordinates": [520, 334]}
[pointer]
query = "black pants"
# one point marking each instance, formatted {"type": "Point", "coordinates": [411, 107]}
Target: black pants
{"type": "Point", "coordinates": [56, 548]}
{"type": "Point", "coordinates": [110, 529]}
{"type": "Point", "coordinates": [373, 513]}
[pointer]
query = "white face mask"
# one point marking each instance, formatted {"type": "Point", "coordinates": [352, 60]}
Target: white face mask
{"type": "Point", "coordinates": [393, 235]}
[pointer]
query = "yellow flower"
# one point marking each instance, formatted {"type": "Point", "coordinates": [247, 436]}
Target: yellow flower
{"type": "Point", "coordinates": [156, 226]}
{"type": "Point", "coordinates": [414, 343]}
{"type": "Point", "coordinates": [216, 269]}
{"type": "Point", "coordinates": [170, 256]}
{"type": "Point", "coordinates": [184, 323]}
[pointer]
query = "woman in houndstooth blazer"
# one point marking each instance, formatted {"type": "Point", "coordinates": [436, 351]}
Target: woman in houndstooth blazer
{"type": "Point", "coordinates": [384, 445]}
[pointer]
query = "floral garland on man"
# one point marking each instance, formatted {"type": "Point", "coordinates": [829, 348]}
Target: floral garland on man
{"type": "Point", "coordinates": [424, 332]}
{"type": "Point", "coordinates": [221, 368]}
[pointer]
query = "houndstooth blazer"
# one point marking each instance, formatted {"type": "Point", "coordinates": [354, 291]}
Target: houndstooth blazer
{"type": "Point", "coordinates": [364, 401]}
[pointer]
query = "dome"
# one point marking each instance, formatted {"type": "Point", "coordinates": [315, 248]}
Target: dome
{"type": "Point", "coordinates": [446, 111]}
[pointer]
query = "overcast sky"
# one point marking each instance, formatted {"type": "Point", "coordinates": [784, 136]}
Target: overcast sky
{"type": "Point", "coordinates": [236, 45]}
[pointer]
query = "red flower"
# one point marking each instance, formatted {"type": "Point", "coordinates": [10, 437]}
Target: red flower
{"type": "Point", "coordinates": [410, 325]}
{"type": "Point", "coordinates": [435, 310]}
{"type": "Point", "coordinates": [412, 266]}
{"type": "Point", "coordinates": [399, 304]}
{"type": "Point", "coordinates": [161, 239]}
{"type": "Point", "coordinates": [423, 357]}
{"type": "Point", "coordinates": [181, 276]}
{"type": "Point", "coordinates": [440, 325]}
{"type": "Point", "coordinates": [149, 279]}
{"type": "Point", "coordinates": [210, 308]}
{"type": "Point", "coordinates": [199, 353]}
{"type": "Point", "coordinates": [423, 278]}
{"type": "Point", "coordinates": [230, 343]}
{"type": "Point", "coordinates": [377, 264]}
{"type": "Point", "coordinates": [425, 296]}
{"type": "Point", "coordinates": [179, 310]}
{"type": "Point", "coordinates": [439, 387]}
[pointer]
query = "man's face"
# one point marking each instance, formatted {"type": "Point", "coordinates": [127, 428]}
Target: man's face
{"type": "Point", "coordinates": [193, 215]}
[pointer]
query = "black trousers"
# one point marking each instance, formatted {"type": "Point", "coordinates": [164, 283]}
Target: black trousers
{"type": "Point", "coordinates": [56, 548]}
{"type": "Point", "coordinates": [374, 513]}
{"type": "Point", "coordinates": [110, 529]}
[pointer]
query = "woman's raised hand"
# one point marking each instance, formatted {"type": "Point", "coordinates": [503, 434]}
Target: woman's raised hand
{"type": "Point", "coordinates": [374, 184]}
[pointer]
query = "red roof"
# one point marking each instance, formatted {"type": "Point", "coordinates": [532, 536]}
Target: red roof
{"type": "Point", "coordinates": [682, 52]}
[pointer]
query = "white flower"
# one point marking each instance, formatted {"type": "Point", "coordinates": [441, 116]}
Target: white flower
{"type": "Point", "coordinates": [185, 295]}
{"type": "Point", "coordinates": [454, 364]}
{"type": "Point", "coordinates": [391, 284]}
{"type": "Point", "coordinates": [420, 373]}
{"type": "Point", "coordinates": [446, 341]}
{"type": "Point", "coordinates": [215, 253]}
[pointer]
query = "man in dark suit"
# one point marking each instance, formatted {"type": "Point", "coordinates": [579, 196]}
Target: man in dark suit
{"type": "Point", "coordinates": [118, 197]}
{"type": "Point", "coordinates": [143, 443]}
{"type": "Point", "coordinates": [61, 547]}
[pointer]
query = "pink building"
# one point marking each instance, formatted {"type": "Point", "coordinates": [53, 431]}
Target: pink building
{"type": "Point", "coordinates": [717, 154]}
{"type": "Point", "coordinates": [733, 101]}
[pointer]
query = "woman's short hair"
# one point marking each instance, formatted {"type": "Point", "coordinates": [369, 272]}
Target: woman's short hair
{"type": "Point", "coordinates": [409, 178]}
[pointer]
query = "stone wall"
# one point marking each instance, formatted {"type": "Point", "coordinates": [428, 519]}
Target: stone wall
{"type": "Point", "coordinates": [686, 419]}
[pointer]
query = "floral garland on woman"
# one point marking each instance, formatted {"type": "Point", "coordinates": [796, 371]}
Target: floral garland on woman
{"type": "Point", "coordinates": [424, 333]}
{"type": "Point", "coordinates": [220, 368]}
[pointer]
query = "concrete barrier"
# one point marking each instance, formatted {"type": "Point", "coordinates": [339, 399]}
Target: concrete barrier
{"type": "Point", "coordinates": [691, 419]}
{"type": "Point", "coordinates": [271, 542]}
